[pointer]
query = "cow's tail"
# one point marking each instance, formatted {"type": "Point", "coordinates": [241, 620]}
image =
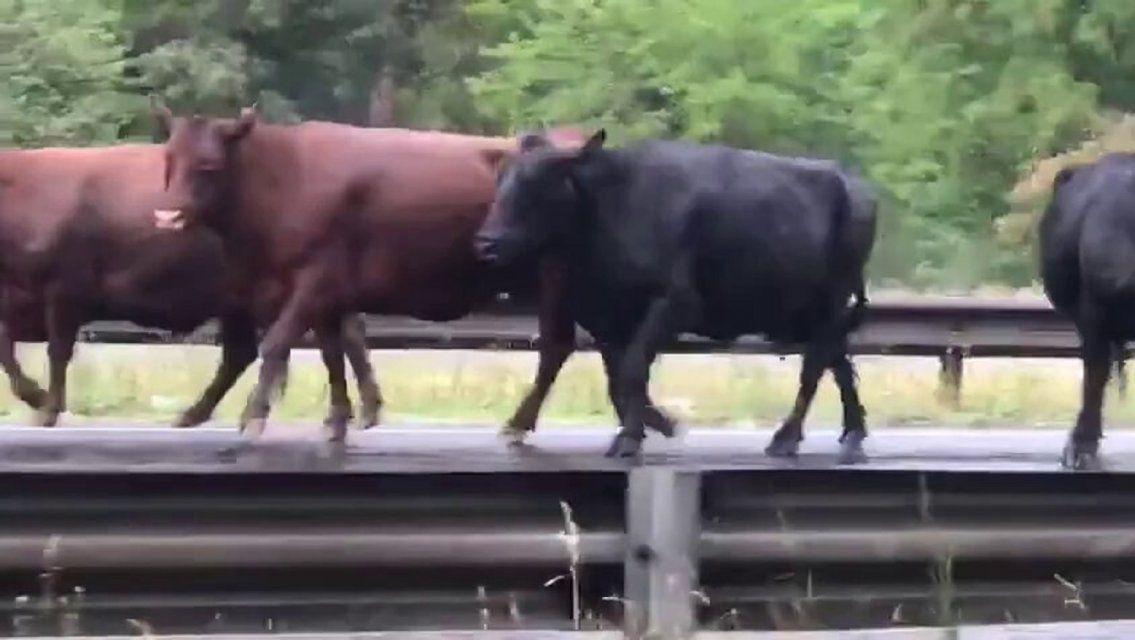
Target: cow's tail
{"type": "Point", "coordinates": [841, 248]}
{"type": "Point", "coordinates": [858, 309]}
{"type": "Point", "coordinates": [1119, 358]}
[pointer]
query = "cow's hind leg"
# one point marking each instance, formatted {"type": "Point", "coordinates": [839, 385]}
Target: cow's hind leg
{"type": "Point", "coordinates": [854, 416]}
{"type": "Point", "coordinates": [355, 348]}
{"type": "Point", "coordinates": [1082, 450]}
{"type": "Point", "coordinates": [63, 324]}
{"type": "Point", "coordinates": [238, 351]}
{"type": "Point", "coordinates": [330, 336]}
{"type": "Point", "coordinates": [786, 440]}
{"type": "Point", "coordinates": [23, 387]}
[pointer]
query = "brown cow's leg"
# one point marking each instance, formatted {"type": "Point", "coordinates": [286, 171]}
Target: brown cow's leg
{"type": "Point", "coordinates": [238, 351]}
{"type": "Point", "coordinates": [330, 336]}
{"type": "Point", "coordinates": [355, 347]}
{"type": "Point", "coordinates": [275, 348]}
{"type": "Point", "coordinates": [62, 329]}
{"type": "Point", "coordinates": [22, 386]}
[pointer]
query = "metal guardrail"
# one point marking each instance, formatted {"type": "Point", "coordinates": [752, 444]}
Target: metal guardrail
{"type": "Point", "coordinates": [949, 328]}
{"type": "Point", "coordinates": [658, 550]}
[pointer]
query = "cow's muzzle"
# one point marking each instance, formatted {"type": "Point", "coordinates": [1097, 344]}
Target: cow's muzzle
{"type": "Point", "coordinates": [169, 219]}
{"type": "Point", "coordinates": [487, 249]}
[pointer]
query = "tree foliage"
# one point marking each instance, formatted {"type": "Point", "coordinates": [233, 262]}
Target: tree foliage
{"type": "Point", "coordinates": [944, 104]}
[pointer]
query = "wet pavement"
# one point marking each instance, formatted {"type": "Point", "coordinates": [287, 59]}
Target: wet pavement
{"type": "Point", "coordinates": [404, 448]}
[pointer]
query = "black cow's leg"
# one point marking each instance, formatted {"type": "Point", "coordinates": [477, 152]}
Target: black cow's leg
{"type": "Point", "coordinates": [329, 333]}
{"type": "Point", "coordinates": [63, 324]}
{"type": "Point", "coordinates": [557, 343]}
{"type": "Point", "coordinates": [1082, 450]}
{"type": "Point", "coordinates": [22, 386]}
{"type": "Point", "coordinates": [275, 349]}
{"type": "Point", "coordinates": [854, 422]}
{"type": "Point", "coordinates": [654, 418]}
{"type": "Point", "coordinates": [612, 363]}
{"type": "Point", "coordinates": [238, 351]}
{"type": "Point", "coordinates": [786, 441]}
{"type": "Point", "coordinates": [634, 373]}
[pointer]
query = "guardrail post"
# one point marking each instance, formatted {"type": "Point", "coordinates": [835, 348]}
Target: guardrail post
{"type": "Point", "coordinates": [661, 570]}
{"type": "Point", "coordinates": [950, 377]}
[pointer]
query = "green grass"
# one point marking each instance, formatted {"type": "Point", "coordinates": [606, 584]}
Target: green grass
{"type": "Point", "coordinates": [155, 382]}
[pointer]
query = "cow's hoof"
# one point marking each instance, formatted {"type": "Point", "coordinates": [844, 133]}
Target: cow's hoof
{"type": "Point", "coordinates": [335, 431]}
{"type": "Point", "coordinates": [783, 447]}
{"type": "Point", "coordinates": [1081, 456]}
{"type": "Point", "coordinates": [851, 448]}
{"type": "Point", "coordinates": [191, 418]}
{"type": "Point", "coordinates": [514, 437]}
{"type": "Point", "coordinates": [46, 418]}
{"type": "Point", "coordinates": [253, 428]}
{"type": "Point", "coordinates": [657, 420]}
{"type": "Point", "coordinates": [624, 446]}
{"type": "Point", "coordinates": [370, 409]}
{"type": "Point", "coordinates": [370, 417]}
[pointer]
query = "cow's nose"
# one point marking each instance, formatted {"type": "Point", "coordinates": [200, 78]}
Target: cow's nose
{"type": "Point", "coordinates": [488, 250]}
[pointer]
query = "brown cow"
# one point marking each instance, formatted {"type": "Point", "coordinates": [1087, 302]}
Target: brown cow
{"type": "Point", "coordinates": [350, 219]}
{"type": "Point", "coordinates": [78, 242]}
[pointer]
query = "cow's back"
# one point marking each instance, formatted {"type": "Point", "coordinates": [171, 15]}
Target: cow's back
{"type": "Point", "coordinates": [1106, 196]}
{"type": "Point", "coordinates": [758, 227]}
{"type": "Point", "coordinates": [397, 208]}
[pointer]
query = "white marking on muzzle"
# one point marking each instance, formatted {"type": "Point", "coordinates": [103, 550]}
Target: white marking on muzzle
{"type": "Point", "coordinates": [172, 219]}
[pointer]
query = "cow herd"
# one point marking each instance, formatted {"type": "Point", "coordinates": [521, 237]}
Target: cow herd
{"type": "Point", "coordinates": [279, 230]}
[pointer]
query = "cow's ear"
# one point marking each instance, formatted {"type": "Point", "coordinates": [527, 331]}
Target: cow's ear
{"type": "Point", "coordinates": [594, 143]}
{"type": "Point", "coordinates": [532, 141]}
{"type": "Point", "coordinates": [1062, 176]}
{"type": "Point", "coordinates": [244, 124]}
{"type": "Point", "coordinates": [162, 115]}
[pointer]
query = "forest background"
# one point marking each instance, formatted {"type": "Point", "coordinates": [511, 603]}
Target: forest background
{"type": "Point", "coordinates": [959, 111]}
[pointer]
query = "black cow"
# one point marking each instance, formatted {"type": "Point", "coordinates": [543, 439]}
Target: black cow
{"type": "Point", "coordinates": [667, 237]}
{"type": "Point", "coordinates": [1087, 256]}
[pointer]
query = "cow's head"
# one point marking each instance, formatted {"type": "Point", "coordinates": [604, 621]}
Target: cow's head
{"type": "Point", "coordinates": [537, 199]}
{"type": "Point", "coordinates": [199, 163]}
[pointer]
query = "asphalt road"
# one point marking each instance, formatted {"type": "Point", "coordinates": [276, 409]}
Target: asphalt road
{"type": "Point", "coordinates": [106, 448]}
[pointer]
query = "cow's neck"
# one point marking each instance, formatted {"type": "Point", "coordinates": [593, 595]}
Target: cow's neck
{"type": "Point", "coordinates": [257, 194]}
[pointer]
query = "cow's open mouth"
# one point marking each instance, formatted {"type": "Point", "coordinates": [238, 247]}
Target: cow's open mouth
{"type": "Point", "coordinates": [173, 219]}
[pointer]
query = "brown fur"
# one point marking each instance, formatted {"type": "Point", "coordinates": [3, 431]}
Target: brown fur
{"type": "Point", "coordinates": [338, 219]}
{"type": "Point", "coordinates": [78, 243]}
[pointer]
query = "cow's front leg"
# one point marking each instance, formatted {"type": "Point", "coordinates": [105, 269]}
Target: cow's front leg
{"type": "Point", "coordinates": [661, 323]}
{"type": "Point", "coordinates": [655, 418]}
{"type": "Point", "coordinates": [63, 324]}
{"type": "Point", "coordinates": [634, 376]}
{"type": "Point", "coordinates": [557, 343]}
{"type": "Point", "coordinates": [294, 320]}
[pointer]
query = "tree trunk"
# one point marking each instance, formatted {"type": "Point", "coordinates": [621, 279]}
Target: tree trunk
{"type": "Point", "coordinates": [381, 112]}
